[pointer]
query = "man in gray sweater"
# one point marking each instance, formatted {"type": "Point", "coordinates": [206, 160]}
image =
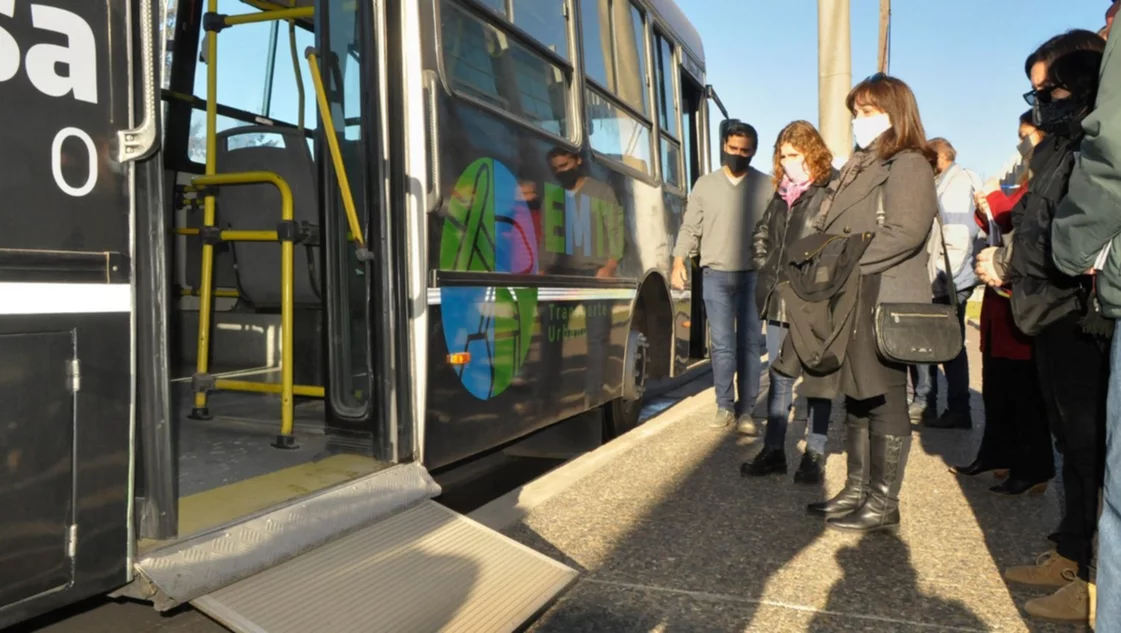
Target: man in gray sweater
{"type": "Point", "coordinates": [723, 209]}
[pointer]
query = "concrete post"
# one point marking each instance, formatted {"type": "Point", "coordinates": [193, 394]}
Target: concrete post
{"type": "Point", "coordinates": [834, 76]}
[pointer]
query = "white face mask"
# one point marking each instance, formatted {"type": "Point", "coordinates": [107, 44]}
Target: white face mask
{"type": "Point", "coordinates": [865, 130]}
{"type": "Point", "coordinates": [795, 170]}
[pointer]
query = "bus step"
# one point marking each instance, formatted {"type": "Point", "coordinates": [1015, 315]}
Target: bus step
{"type": "Point", "coordinates": [424, 569]}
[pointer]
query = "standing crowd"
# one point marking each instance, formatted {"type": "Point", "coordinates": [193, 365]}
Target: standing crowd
{"type": "Point", "coordinates": [861, 276]}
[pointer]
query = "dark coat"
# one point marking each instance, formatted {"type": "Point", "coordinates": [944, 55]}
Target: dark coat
{"type": "Point", "coordinates": [895, 262]}
{"type": "Point", "coordinates": [822, 293]}
{"type": "Point", "coordinates": [1042, 294]}
{"type": "Point", "coordinates": [776, 231]}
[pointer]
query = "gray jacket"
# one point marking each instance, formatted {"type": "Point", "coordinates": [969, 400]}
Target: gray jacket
{"type": "Point", "coordinates": [897, 253]}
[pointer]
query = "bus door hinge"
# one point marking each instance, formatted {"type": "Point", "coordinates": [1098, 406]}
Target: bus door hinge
{"type": "Point", "coordinates": [74, 375]}
{"type": "Point", "coordinates": [72, 541]}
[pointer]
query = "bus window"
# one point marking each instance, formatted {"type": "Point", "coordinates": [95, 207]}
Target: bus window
{"type": "Point", "coordinates": [615, 49]}
{"type": "Point", "coordinates": [616, 134]}
{"type": "Point", "coordinates": [668, 115]}
{"type": "Point", "coordinates": [255, 75]}
{"type": "Point", "coordinates": [545, 21]}
{"type": "Point", "coordinates": [484, 62]}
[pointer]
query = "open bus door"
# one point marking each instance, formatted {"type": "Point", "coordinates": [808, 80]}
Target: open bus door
{"type": "Point", "coordinates": [78, 109]}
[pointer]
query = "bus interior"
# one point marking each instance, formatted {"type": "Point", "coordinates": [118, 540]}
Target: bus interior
{"type": "Point", "coordinates": [251, 199]}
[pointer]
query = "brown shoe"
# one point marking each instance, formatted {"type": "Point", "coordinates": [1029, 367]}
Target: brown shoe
{"type": "Point", "coordinates": [1069, 604]}
{"type": "Point", "coordinates": [1049, 570]}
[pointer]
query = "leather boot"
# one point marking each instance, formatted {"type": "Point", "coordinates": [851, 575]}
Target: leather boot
{"type": "Point", "coordinates": [880, 511]}
{"type": "Point", "coordinates": [852, 495]}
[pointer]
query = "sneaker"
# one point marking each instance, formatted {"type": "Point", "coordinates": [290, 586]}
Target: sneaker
{"type": "Point", "coordinates": [1071, 603]}
{"type": "Point", "coordinates": [1049, 570]}
{"type": "Point", "coordinates": [722, 419]}
{"type": "Point", "coordinates": [921, 413]}
{"type": "Point", "coordinates": [950, 420]}
{"type": "Point", "coordinates": [745, 425]}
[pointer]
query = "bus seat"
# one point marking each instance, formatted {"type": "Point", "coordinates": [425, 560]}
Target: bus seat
{"type": "Point", "coordinates": [283, 151]}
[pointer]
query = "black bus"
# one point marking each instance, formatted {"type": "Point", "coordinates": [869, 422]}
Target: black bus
{"type": "Point", "coordinates": [264, 264]}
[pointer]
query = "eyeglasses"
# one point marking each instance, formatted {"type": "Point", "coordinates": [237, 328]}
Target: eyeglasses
{"type": "Point", "coordinates": [1042, 95]}
{"type": "Point", "coordinates": [873, 78]}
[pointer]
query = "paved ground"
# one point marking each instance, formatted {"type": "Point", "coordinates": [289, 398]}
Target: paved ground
{"type": "Point", "coordinates": [669, 537]}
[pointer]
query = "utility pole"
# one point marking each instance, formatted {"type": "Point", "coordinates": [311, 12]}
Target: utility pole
{"type": "Point", "coordinates": [885, 36]}
{"type": "Point", "coordinates": [834, 76]}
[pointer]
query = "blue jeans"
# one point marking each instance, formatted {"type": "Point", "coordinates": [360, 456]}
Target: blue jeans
{"type": "Point", "coordinates": [735, 331]}
{"type": "Point", "coordinates": [1109, 526]}
{"type": "Point", "coordinates": [780, 396]}
{"type": "Point", "coordinates": [925, 377]}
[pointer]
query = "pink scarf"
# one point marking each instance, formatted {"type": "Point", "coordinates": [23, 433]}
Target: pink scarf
{"type": "Point", "coordinates": [790, 192]}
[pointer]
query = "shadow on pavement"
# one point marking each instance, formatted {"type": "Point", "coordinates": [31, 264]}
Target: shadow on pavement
{"type": "Point", "coordinates": [1013, 529]}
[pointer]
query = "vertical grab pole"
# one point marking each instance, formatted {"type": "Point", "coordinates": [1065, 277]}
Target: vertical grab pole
{"type": "Point", "coordinates": [202, 380]}
{"type": "Point", "coordinates": [286, 439]}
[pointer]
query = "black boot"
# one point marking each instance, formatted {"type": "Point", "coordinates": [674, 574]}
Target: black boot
{"type": "Point", "coordinates": [769, 461]}
{"type": "Point", "coordinates": [881, 509]}
{"type": "Point", "coordinates": [856, 486]}
{"type": "Point", "coordinates": [979, 466]}
{"type": "Point", "coordinates": [811, 470]}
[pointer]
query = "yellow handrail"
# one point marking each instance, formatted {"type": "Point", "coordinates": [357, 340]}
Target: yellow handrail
{"type": "Point", "coordinates": [287, 257]}
{"type": "Point", "coordinates": [270, 16]}
{"type": "Point", "coordinates": [333, 144]}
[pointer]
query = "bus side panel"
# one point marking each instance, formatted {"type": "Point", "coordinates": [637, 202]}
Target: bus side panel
{"type": "Point", "coordinates": [65, 459]}
{"type": "Point", "coordinates": [64, 274]}
{"type": "Point", "coordinates": [539, 296]}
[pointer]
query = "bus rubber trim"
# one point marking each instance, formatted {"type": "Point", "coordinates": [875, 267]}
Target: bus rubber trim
{"type": "Point", "coordinates": [213, 22]}
{"type": "Point", "coordinates": [289, 231]}
{"type": "Point", "coordinates": [285, 442]}
{"type": "Point", "coordinates": [210, 235]}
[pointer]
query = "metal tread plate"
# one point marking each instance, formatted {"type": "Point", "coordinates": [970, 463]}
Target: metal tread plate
{"type": "Point", "coordinates": [422, 570]}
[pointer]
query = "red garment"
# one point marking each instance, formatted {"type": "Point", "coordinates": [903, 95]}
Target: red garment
{"type": "Point", "coordinates": [997, 324]}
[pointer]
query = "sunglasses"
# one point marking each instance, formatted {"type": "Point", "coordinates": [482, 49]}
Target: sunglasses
{"type": "Point", "coordinates": [1042, 95]}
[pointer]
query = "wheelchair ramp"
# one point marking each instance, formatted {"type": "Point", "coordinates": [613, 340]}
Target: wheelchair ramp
{"type": "Point", "coordinates": [425, 569]}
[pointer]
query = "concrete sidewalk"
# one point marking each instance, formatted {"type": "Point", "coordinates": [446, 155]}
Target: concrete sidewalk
{"type": "Point", "coordinates": [669, 537]}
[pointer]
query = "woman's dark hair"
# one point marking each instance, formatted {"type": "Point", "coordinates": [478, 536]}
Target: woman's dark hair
{"type": "Point", "coordinates": [1064, 44]}
{"type": "Point", "coordinates": [896, 99]}
{"type": "Point", "coordinates": [1077, 72]}
{"type": "Point", "coordinates": [1026, 119]}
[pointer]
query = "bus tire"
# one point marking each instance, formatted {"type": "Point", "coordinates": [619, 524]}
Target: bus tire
{"type": "Point", "coordinates": [622, 414]}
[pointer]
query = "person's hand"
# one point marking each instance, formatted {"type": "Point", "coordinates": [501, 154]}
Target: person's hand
{"type": "Point", "coordinates": [982, 202]}
{"type": "Point", "coordinates": [679, 279]}
{"type": "Point", "coordinates": [985, 269]}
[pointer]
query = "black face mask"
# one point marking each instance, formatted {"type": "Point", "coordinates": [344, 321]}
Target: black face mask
{"type": "Point", "coordinates": [568, 178]}
{"type": "Point", "coordinates": [534, 204]}
{"type": "Point", "coordinates": [1057, 117]}
{"type": "Point", "coordinates": [738, 164]}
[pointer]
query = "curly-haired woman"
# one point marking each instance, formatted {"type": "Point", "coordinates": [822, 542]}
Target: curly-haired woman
{"type": "Point", "coordinates": [802, 171]}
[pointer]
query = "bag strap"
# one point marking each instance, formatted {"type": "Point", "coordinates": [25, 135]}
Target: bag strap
{"type": "Point", "coordinates": [941, 238]}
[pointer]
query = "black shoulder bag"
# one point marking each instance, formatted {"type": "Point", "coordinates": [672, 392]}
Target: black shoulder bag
{"type": "Point", "coordinates": [919, 333]}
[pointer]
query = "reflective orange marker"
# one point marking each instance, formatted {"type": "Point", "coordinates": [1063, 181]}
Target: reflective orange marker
{"type": "Point", "coordinates": [459, 358]}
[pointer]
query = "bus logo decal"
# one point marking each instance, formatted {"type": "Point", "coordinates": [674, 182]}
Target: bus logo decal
{"type": "Point", "coordinates": [488, 228]}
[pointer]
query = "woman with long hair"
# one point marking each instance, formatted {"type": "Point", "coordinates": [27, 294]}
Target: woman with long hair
{"type": "Point", "coordinates": [1016, 442]}
{"type": "Point", "coordinates": [886, 188]}
{"type": "Point", "coordinates": [1058, 310]}
{"type": "Point", "coordinates": [802, 171]}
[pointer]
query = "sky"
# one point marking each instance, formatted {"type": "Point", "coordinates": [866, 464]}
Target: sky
{"type": "Point", "coordinates": [963, 58]}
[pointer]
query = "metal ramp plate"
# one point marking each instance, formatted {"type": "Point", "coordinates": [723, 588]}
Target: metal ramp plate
{"type": "Point", "coordinates": [423, 570]}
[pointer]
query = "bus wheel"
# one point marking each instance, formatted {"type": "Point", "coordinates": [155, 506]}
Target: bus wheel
{"type": "Point", "coordinates": [621, 414]}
